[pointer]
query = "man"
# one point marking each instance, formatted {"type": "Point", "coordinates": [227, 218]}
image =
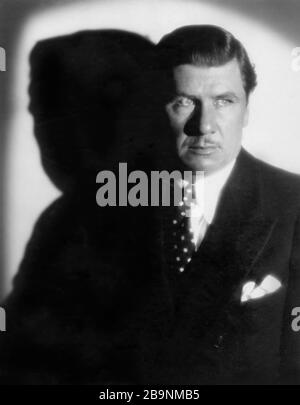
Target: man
{"type": "Point", "coordinates": [237, 291]}
{"type": "Point", "coordinates": [129, 294]}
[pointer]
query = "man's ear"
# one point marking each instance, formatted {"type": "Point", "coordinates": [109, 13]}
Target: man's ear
{"type": "Point", "coordinates": [246, 116]}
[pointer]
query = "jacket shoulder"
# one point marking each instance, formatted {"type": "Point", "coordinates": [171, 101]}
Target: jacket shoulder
{"type": "Point", "coordinates": [283, 183]}
{"type": "Point", "coordinates": [278, 189]}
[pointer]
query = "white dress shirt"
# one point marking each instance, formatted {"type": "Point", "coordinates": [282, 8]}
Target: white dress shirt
{"type": "Point", "coordinates": [203, 207]}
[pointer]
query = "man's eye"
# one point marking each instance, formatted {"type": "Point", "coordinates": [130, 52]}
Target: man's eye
{"type": "Point", "coordinates": [222, 102]}
{"type": "Point", "coordinates": [183, 102]}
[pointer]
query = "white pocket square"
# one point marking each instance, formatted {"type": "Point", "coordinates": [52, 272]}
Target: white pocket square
{"type": "Point", "coordinates": [252, 291]}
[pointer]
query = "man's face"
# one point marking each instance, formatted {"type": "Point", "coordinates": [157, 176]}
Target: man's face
{"type": "Point", "coordinates": [207, 115]}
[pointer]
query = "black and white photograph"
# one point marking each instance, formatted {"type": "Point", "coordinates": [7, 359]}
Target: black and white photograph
{"type": "Point", "coordinates": [149, 195]}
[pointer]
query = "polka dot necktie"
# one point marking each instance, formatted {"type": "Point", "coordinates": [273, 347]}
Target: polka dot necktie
{"type": "Point", "coordinates": [184, 241]}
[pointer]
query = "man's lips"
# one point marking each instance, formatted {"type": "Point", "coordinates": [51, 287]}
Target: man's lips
{"type": "Point", "coordinates": [203, 150]}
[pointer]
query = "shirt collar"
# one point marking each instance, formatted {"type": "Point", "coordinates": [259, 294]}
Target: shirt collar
{"type": "Point", "coordinates": [208, 190]}
{"type": "Point", "coordinates": [213, 186]}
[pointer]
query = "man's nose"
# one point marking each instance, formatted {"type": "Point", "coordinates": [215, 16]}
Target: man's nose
{"type": "Point", "coordinates": [201, 122]}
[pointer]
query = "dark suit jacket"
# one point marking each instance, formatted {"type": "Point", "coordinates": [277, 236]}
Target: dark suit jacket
{"type": "Point", "coordinates": [96, 302]}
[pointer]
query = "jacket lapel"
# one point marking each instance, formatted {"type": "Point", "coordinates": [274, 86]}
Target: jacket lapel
{"type": "Point", "coordinates": [241, 229]}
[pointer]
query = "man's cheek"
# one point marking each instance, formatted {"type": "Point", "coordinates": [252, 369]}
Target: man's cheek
{"type": "Point", "coordinates": [179, 141]}
{"type": "Point", "coordinates": [175, 123]}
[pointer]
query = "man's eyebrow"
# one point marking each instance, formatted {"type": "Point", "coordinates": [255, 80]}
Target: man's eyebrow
{"type": "Point", "coordinates": [227, 94]}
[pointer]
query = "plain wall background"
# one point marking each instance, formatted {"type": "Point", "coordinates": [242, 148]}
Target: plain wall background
{"type": "Point", "coordinates": [269, 29]}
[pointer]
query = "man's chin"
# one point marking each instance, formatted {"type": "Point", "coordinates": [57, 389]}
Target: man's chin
{"type": "Point", "coordinates": [206, 164]}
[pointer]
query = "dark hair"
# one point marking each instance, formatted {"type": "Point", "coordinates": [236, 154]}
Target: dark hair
{"type": "Point", "coordinates": [205, 45]}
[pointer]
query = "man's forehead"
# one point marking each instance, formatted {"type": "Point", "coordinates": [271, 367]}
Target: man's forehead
{"type": "Point", "coordinates": [195, 78]}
